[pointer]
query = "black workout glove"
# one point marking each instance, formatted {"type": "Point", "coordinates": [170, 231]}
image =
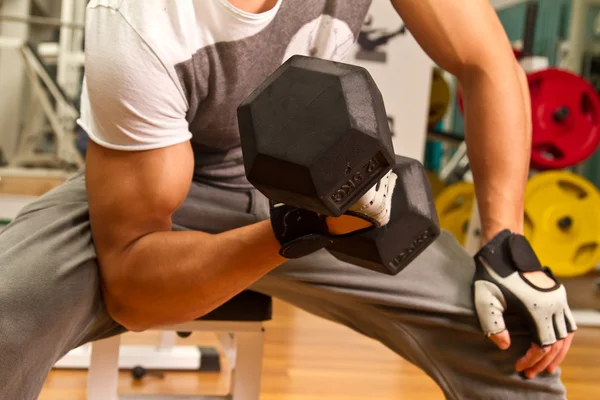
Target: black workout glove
{"type": "Point", "coordinates": [301, 232]}
{"type": "Point", "coordinates": [500, 290]}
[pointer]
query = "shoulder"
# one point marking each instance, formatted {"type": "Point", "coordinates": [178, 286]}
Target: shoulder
{"type": "Point", "coordinates": [164, 26]}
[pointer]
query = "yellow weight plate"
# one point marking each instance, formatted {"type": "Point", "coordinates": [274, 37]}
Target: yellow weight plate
{"type": "Point", "coordinates": [562, 222]}
{"type": "Point", "coordinates": [437, 185]}
{"type": "Point", "coordinates": [454, 206]}
{"type": "Point", "coordinates": [439, 100]}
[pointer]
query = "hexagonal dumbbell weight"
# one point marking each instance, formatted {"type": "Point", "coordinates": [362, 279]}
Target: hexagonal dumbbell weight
{"type": "Point", "coordinates": [315, 135]}
{"type": "Point", "coordinates": [413, 225]}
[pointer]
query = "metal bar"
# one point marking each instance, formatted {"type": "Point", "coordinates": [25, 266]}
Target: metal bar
{"type": "Point", "coordinates": [245, 380]}
{"type": "Point", "coordinates": [59, 131]}
{"type": "Point", "coordinates": [18, 172]}
{"type": "Point", "coordinates": [42, 21]}
{"type": "Point", "coordinates": [59, 95]}
{"type": "Point", "coordinates": [445, 137]}
{"type": "Point", "coordinates": [456, 166]}
{"type": "Point", "coordinates": [65, 44]}
{"type": "Point", "coordinates": [10, 42]}
{"type": "Point", "coordinates": [213, 326]}
{"type": "Point", "coordinates": [103, 376]}
{"type": "Point", "coordinates": [530, 24]}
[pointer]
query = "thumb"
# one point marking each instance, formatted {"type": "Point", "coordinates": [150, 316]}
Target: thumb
{"type": "Point", "coordinates": [502, 340]}
{"type": "Point", "coordinates": [490, 305]}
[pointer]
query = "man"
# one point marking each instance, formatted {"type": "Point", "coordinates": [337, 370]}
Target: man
{"type": "Point", "coordinates": [163, 227]}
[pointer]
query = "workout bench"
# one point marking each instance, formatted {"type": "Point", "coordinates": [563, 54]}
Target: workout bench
{"type": "Point", "coordinates": [239, 325]}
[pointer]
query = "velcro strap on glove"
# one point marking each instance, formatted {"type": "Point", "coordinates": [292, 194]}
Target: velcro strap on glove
{"type": "Point", "coordinates": [301, 232]}
{"type": "Point", "coordinates": [508, 253]}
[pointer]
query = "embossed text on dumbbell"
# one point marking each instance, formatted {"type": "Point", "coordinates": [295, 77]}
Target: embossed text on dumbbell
{"type": "Point", "coordinates": [415, 245]}
{"type": "Point", "coordinates": [371, 168]}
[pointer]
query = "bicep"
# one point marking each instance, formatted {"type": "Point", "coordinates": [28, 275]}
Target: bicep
{"type": "Point", "coordinates": [139, 162]}
{"type": "Point", "coordinates": [458, 35]}
{"type": "Point", "coordinates": [133, 194]}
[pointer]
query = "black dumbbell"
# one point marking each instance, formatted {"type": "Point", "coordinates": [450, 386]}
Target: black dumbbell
{"type": "Point", "coordinates": [413, 225]}
{"type": "Point", "coordinates": [315, 135]}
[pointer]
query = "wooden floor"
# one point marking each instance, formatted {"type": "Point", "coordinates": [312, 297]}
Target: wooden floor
{"type": "Point", "coordinates": [307, 358]}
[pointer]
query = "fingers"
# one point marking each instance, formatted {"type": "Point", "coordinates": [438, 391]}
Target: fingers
{"type": "Point", "coordinates": [546, 360]}
{"type": "Point", "coordinates": [376, 203]}
{"type": "Point", "coordinates": [532, 357]}
{"type": "Point", "coordinates": [562, 354]}
{"type": "Point", "coordinates": [545, 329]}
{"type": "Point", "coordinates": [502, 340]}
{"type": "Point", "coordinates": [490, 305]}
{"type": "Point", "coordinates": [560, 326]}
{"type": "Point", "coordinates": [571, 325]}
{"type": "Point", "coordinates": [345, 224]}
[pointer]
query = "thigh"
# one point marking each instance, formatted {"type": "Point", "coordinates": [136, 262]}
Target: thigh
{"type": "Point", "coordinates": [425, 314]}
{"type": "Point", "coordinates": [50, 300]}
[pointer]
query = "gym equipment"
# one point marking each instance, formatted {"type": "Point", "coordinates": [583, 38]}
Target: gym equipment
{"type": "Point", "coordinates": [454, 206]}
{"type": "Point", "coordinates": [315, 135]}
{"type": "Point", "coordinates": [42, 21]}
{"type": "Point", "coordinates": [238, 324]}
{"type": "Point", "coordinates": [439, 100]}
{"type": "Point", "coordinates": [413, 226]}
{"type": "Point", "coordinates": [60, 112]}
{"type": "Point", "coordinates": [562, 222]}
{"type": "Point", "coordinates": [566, 119]}
{"type": "Point", "coordinates": [436, 184]}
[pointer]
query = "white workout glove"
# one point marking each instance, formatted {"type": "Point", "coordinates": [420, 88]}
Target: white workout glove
{"type": "Point", "coordinates": [376, 205]}
{"type": "Point", "coordinates": [500, 290]}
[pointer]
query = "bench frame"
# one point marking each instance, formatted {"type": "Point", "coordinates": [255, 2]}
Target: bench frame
{"type": "Point", "coordinates": [243, 344]}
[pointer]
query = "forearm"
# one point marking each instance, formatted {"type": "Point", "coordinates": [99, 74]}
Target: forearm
{"type": "Point", "coordinates": [498, 135]}
{"type": "Point", "coordinates": [172, 277]}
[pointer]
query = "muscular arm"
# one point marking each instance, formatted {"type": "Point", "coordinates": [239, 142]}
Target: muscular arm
{"type": "Point", "coordinates": [151, 275]}
{"type": "Point", "coordinates": [466, 39]}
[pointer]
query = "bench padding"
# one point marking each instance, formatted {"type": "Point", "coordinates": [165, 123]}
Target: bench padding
{"type": "Point", "coordinates": [247, 306]}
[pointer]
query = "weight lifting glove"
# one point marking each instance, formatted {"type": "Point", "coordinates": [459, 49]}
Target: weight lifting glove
{"type": "Point", "coordinates": [500, 290]}
{"type": "Point", "coordinates": [301, 232]}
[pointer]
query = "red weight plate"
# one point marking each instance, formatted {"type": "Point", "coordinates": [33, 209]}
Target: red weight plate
{"type": "Point", "coordinates": [566, 119]}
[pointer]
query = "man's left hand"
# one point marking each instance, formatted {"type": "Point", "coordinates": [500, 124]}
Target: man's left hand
{"type": "Point", "coordinates": [509, 279]}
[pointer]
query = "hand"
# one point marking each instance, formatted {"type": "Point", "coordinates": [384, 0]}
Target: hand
{"type": "Point", "coordinates": [301, 232]}
{"type": "Point", "coordinates": [537, 359]}
{"type": "Point", "coordinates": [508, 280]}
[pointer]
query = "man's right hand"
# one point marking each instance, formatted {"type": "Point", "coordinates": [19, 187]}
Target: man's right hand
{"type": "Point", "coordinates": [301, 232]}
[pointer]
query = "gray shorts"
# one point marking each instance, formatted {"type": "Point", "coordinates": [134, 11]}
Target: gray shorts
{"type": "Point", "coordinates": [50, 300]}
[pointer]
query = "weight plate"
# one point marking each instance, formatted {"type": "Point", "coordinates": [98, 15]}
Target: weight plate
{"type": "Point", "coordinates": [455, 206]}
{"type": "Point", "coordinates": [439, 101]}
{"type": "Point", "coordinates": [562, 222]}
{"type": "Point", "coordinates": [566, 119]}
{"type": "Point", "coordinates": [437, 185]}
